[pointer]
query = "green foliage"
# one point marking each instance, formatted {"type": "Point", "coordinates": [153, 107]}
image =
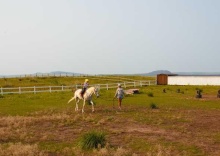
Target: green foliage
{"type": "Point", "coordinates": [153, 106]}
{"type": "Point", "coordinates": [150, 94]}
{"type": "Point", "coordinates": [93, 139]}
{"type": "Point", "coordinates": [199, 89]}
{"type": "Point", "coordinates": [67, 81]}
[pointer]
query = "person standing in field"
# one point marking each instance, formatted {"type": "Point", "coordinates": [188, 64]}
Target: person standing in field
{"type": "Point", "coordinates": [85, 86]}
{"type": "Point", "coordinates": [119, 94]}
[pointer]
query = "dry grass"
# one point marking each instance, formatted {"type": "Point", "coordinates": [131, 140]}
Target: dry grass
{"type": "Point", "coordinates": [19, 149]}
{"type": "Point", "coordinates": [126, 136]}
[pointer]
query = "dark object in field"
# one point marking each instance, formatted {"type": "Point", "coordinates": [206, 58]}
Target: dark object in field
{"type": "Point", "coordinates": [218, 95]}
{"type": "Point", "coordinates": [178, 91]}
{"type": "Point", "coordinates": [198, 95]}
{"type": "Point", "coordinates": [164, 90]}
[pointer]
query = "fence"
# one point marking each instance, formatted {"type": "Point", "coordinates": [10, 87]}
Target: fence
{"type": "Point", "coordinates": [42, 75]}
{"type": "Point", "coordinates": [48, 75]}
{"type": "Point", "coordinates": [38, 89]}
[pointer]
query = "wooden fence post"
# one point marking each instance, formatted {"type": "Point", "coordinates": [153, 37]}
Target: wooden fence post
{"type": "Point", "coordinates": [140, 83]}
{"type": "Point", "coordinates": [34, 90]}
{"type": "Point", "coordinates": [19, 90]}
{"type": "Point", "coordinates": [107, 86]}
{"type": "Point", "coordinates": [1, 91]}
{"type": "Point", "coordinates": [50, 88]}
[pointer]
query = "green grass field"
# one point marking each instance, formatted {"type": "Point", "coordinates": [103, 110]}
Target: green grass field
{"type": "Point", "coordinates": [177, 124]}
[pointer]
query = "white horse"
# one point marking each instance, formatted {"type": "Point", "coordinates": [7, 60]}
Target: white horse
{"type": "Point", "coordinates": [86, 97]}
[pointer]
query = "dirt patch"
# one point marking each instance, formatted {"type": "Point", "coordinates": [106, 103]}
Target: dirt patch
{"type": "Point", "coordinates": [169, 129]}
{"type": "Point", "coordinates": [208, 97]}
{"type": "Point", "coordinates": [205, 97]}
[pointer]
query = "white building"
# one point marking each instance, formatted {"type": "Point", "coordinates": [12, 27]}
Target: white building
{"type": "Point", "coordinates": [188, 79]}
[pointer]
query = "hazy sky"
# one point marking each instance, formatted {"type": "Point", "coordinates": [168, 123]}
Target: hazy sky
{"type": "Point", "coordinates": [109, 36]}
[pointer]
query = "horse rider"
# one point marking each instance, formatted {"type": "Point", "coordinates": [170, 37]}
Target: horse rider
{"type": "Point", "coordinates": [85, 86]}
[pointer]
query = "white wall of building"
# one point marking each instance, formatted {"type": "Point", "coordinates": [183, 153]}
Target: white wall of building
{"type": "Point", "coordinates": [193, 80]}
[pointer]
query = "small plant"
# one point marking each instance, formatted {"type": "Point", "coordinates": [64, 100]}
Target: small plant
{"type": "Point", "coordinates": [153, 106]}
{"type": "Point", "coordinates": [199, 90]}
{"type": "Point", "coordinates": [92, 140]}
{"type": "Point", "coordinates": [150, 94]}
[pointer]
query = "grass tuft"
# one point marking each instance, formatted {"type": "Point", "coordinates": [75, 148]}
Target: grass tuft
{"type": "Point", "coordinates": [93, 139]}
{"type": "Point", "coordinates": [150, 94]}
{"type": "Point", "coordinates": [153, 106]}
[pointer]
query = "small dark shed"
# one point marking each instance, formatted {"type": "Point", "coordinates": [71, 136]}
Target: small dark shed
{"type": "Point", "coordinates": [162, 79]}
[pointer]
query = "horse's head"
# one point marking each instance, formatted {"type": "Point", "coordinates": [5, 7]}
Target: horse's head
{"type": "Point", "coordinates": [96, 91]}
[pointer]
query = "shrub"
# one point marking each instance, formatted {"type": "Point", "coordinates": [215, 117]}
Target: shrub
{"type": "Point", "coordinates": [92, 140]}
{"type": "Point", "coordinates": [178, 90]}
{"type": "Point", "coordinates": [199, 89]}
{"type": "Point", "coordinates": [150, 94]}
{"type": "Point", "coordinates": [153, 106]}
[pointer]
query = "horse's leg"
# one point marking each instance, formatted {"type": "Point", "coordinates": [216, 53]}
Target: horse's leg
{"type": "Point", "coordinates": [92, 106]}
{"type": "Point", "coordinates": [77, 107]}
{"type": "Point", "coordinates": [84, 102]}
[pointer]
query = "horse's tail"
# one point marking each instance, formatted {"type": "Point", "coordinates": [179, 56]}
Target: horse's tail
{"type": "Point", "coordinates": [71, 99]}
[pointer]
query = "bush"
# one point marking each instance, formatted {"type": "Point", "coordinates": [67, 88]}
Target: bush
{"type": "Point", "coordinates": [92, 140]}
{"type": "Point", "coordinates": [153, 106]}
{"type": "Point", "coordinates": [199, 89]}
{"type": "Point", "coordinates": [150, 94]}
{"type": "Point", "coordinates": [178, 90]}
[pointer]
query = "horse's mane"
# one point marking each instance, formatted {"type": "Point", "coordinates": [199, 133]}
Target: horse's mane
{"type": "Point", "coordinates": [90, 88]}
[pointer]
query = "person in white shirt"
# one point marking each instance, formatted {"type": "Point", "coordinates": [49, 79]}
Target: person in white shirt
{"type": "Point", "coordinates": [85, 86]}
{"type": "Point", "coordinates": [119, 94]}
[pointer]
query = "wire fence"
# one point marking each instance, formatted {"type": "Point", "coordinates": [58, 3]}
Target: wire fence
{"type": "Point", "coordinates": [38, 89]}
{"type": "Point", "coordinates": [49, 75]}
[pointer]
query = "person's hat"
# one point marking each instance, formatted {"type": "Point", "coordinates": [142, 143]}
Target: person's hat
{"type": "Point", "coordinates": [86, 80]}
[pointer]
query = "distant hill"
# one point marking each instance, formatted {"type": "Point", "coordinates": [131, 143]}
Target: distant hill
{"type": "Point", "coordinates": [153, 73]}
{"type": "Point", "coordinates": [156, 72]}
{"type": "Point", "coordinates": [197, 73]}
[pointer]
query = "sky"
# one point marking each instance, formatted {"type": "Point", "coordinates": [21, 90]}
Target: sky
{"type": "Point", "coordinates": [109, 36]}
